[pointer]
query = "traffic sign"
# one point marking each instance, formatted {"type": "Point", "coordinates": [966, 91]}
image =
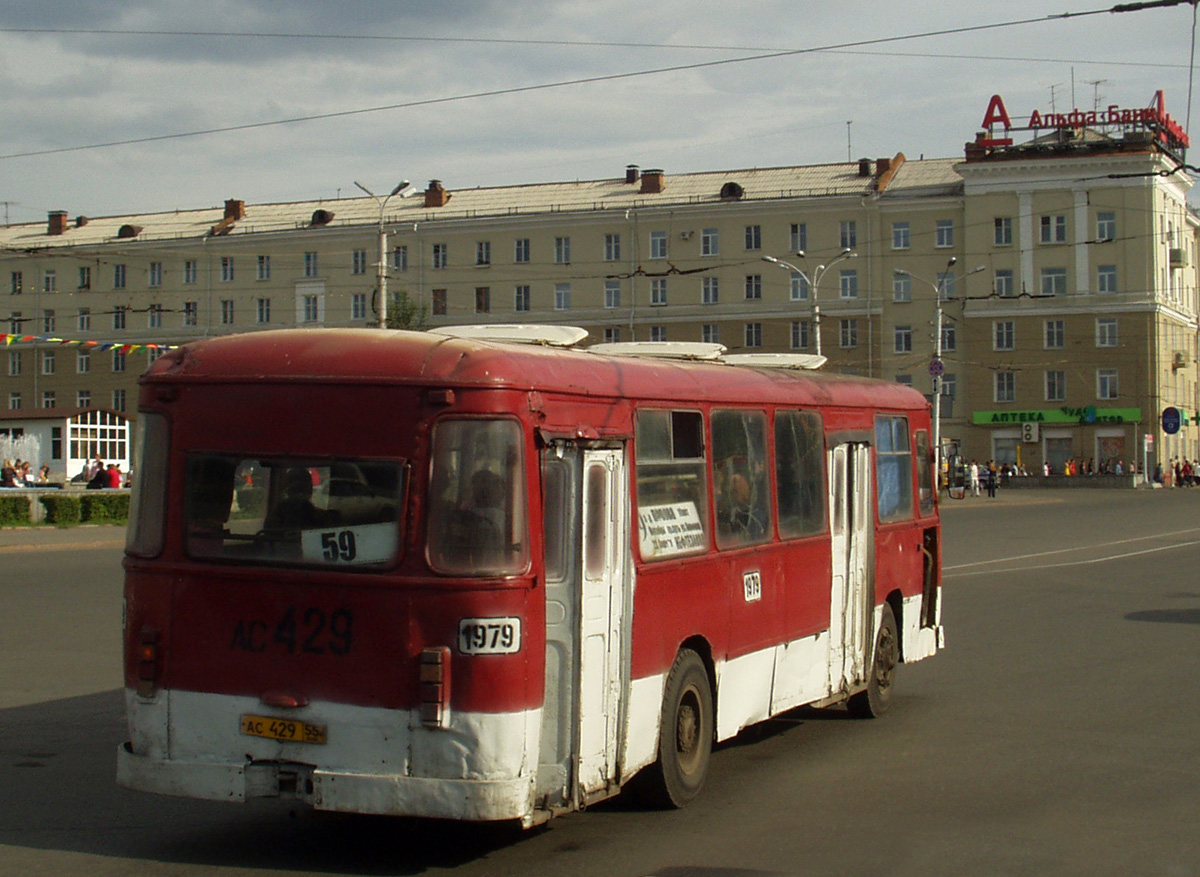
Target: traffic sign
{"type": "Point", "coordinates": [937, 368]}
{"type": "Point", "coordinates": [1170, 420]}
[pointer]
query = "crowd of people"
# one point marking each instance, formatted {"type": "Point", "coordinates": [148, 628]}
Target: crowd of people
{"type": "Point", "coordinates": [1178, 473]}
{"type": "Point", "coordinates": [20, 473]}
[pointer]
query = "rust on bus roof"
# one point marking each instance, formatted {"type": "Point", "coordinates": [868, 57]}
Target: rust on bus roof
{"type": "Point", "coordinates": [374, 356]}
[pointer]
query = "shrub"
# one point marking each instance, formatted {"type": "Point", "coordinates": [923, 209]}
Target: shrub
{"type": "Point", "coordinates": [14, 510]}
{"type": "Point", "coordinates": [105, 508]}
{"type": "Point", "coordinates": [62, 509]}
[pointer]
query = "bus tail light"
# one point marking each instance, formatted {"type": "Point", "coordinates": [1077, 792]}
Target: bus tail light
{"type": "Point", "coordinates": [435, 687]}
{"type": "Point", "coordinates": [147, 661]}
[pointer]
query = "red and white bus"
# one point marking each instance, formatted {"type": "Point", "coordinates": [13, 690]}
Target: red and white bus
{"type": "Point", "coordinates": [438, 575]}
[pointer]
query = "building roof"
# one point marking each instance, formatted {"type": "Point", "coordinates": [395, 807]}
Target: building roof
{"type": "Point", "coordinates": [845, 179]}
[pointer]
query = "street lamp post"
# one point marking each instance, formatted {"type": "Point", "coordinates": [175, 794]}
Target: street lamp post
{"type": "Point", "coordinates": [813, 283]}
{"type": "Point", "coordinates": [381, 266]}
{"type": "Point", "coordinates": [936, 367]}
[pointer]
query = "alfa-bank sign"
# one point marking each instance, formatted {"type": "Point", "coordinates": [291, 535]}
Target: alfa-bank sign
{"type": "Point", "coordinates": [1153, 117]}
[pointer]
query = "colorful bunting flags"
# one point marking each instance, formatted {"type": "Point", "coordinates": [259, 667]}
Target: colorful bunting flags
{"type": "Point", "coordinates": [9, 339]}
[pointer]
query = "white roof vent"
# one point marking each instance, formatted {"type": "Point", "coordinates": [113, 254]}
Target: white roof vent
{"type": "Point", "coordinates": [517, 333]}
{"type": "Point", "coordinates": [695, 350]}
{"type": "Point", "coordinates": [776, 360]}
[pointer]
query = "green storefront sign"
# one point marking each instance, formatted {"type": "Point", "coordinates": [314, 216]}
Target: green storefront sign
{"type": "Point", "coordinates": [1066, 414]}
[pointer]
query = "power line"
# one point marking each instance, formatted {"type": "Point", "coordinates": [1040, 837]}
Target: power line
{"type": "Point", "coordinates": [765, 56]}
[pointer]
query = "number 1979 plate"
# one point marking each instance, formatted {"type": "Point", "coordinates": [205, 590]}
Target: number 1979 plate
{"type": "Point", "coordinates": [287, 730]}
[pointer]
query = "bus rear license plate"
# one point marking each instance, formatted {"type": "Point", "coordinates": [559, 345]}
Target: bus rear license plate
{"type": "Point", "coordinates": [287, 730]}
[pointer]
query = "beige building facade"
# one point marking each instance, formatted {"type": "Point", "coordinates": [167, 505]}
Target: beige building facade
{"type": "Point", "coordinates": [1062, 271]}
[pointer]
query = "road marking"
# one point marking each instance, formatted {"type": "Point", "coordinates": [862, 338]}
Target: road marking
{"type": "Point", "coordinates": [1106, 543]}
{"type": "Point", "coordinates": [1083, 562]}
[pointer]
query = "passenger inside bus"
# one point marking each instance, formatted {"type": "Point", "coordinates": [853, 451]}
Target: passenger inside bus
{"type": "Point", "coordinates": [295, 509]}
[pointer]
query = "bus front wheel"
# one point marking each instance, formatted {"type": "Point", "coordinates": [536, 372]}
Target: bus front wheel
{"type": "Point", "coordinates": [685, 734]}
{"type": "Point", "coordinates": [874, 702]}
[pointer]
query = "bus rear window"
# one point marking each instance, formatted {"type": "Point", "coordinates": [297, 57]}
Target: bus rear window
{"type": "Point", "coordinates": [294, 511]}
{"type": "Point", "coordinates": [477, 508]}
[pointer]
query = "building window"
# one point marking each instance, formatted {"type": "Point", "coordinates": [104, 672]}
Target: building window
{"type": "Point", "coordinates": [85, 276]}
{"type": "Point", "coordinates": [710, 333]}
{"type": "Point", "coordinates": [710, 242]}
{"type": "Point", "coordinates": [83, 320]}
{"type": "Point", "coordinates": [118, 362]}
{"type": "Point", "coordinates": [47, 362]}
{"type": "Point", "coordinates": [901, 238]}
{"type": "Point", "coordinates": [83, 398]}
{"type": "Point", "coordinates": [849, 283]}
{"type": "Point", "coordinates": [155, 274]}
{"type": "Point", "coordinates": [710, 291]}
{"type": "Point", "coordinates": [754, 237]}
{"type": "Point", "coordinates": [118, 316]}
{"type": "Point", "coordinates": [14, 322]}
{"type": "Point", "coordinates": [1106, 226]}
{"type": "Point", "coordinates": [612, 293]}
{"type": "Point", "coordinates": [949, 337]}
{"type": "Point", "coordinates": [483, 299]}
{"type": "Point", "coordinates": [1054, 229]}
{"type": "Point", "coordinates": [901, 287]}
{"type": "Point", "coordinates": [798, 287]}
{"type": "Point", "coordinates": [612, 247]}
{"type": "Point", "coordinates": [1002, 283]}
{"type": "Point", "coordinates": [1106, 278]}
{"type": "Point", "coordinates": [902, 339]}
{"type": "Point", "coordinates": [311, 263]}
{"type": "Point", "coordinates": [1056, 334]}
{"type": "Point", "coordinates": [798, 237]}
{"type": "Point", "coordinates": [1002, 231]}
{"type": "Point", "coordinates": [49, 281]}
{"type": "Point", "coordinates": [1005, 387]}
{"type": "Point", "coordinates": [14, 363]}
{"type": "Point", "coordinates": [753, 287]}
{"type": "Point", "coordinates": [311, 308]}
{"type": "Point", "coordinates": [263, 312]}
{"type": "Point", "coordinates": [562, 296]}
{"type": "Point", "coordinates": [612, 335]}
{"type": "Point", "coordinates": [521, 296]}
{"type": "Point", "coordinates": [118, 276]}
{"type": "Point", "coordinates": [1106, 384]}
{"type": "Point", "coordinates": [848, 233]}
{"type": "Point", "coordinates": [49, 321]}
{"type": "Point", "coordinates": [358, 306]}
{"type": "Point", "coordinates": [191, 312]}
{"type": "Point", "coordinates": [17, 283]}
{"type": "Point", "coordinates": [562, 250]}
{"type": "Point", "coordinates": [154, 317]}
{"type": "Point", "coordinates": [400, 258]}
{"type": "Point", "coordinates": [521, 250]}
{"type": "Point", "coordinates": [948, 284]}
{"type": "Point", "coordinates": [658, 333]}
{"type": "Point", "coordinates": [943, 233]}
{"type": "Point", "coordinates": [190, 271]}
{"type": "Point", "coordinates": [118, 400]}
{"type": "Point", "coordinates": [440, 255]}
{"type": "Point", "coordinates": [1004, 335]}
{"type": "Point", "coordinates": [226, 312]}
{"type": "Point", "coordinates": [658, 291]}
{"type": "Point", "coordinates": [799, 334]}
{"type": "Point", "coordinates": [358, 261]}
{"type": "Point", "coordinates": [226, 269]}
{"type": "Point", "coordinates": [849, 333]}
{"type": "Point", "coordinates": [14, 401]}
{"type": "Point", "coordinates": [48, 399]}
{"type": "Point", "coordinates": [483, 253]}
{"type": "Point", "coordinates": [438, 302]}
{"type": "Point", "coordinates": [1054, 281]}
{"type": "Point", "coordinates": [658, 245]}
{"type": "Point", "coordinates": [1056, 386]}
{"type": "Point", "coordinates": [906, 380]}
{"type": "Point", "coordinates": [754, 335]}
{"type": "Point", "coordinates": [1106, 332]}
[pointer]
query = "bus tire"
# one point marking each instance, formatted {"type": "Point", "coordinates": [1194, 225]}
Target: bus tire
{"type": "Point", "coordinates": [685, 735]}
{"type": "Point", "coordinates": [874, 702]}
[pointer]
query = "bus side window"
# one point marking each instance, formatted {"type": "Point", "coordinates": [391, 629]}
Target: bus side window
{"type": "Point", "coordinates": [800, 473]}
{"type": "Point", "coordinates": [672, 486]}
{"type": "Point", "coordinates": [740, 481]}
{"type": "Point", "coordinates": [924, 464]}
{"type": "Point", "coordinates": [893, 468]}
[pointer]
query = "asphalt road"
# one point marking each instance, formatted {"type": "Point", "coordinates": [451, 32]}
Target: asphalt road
{"type": "Point", "coordinates": [1059, 733]}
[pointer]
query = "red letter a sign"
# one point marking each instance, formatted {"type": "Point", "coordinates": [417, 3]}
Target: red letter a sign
{"type": "Point", "coordinates": [996, 112]}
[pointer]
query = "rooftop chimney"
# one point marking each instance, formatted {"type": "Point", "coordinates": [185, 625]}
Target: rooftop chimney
{"type": "Point", "coordinates": [631, 173]}
{"type": "Point", "coordinates": [652, 182]}
{"type": "Point", "coordinates": [57, 222]}
{"type": "Point", "coordinates": [864, 167]}
{"type": "Point", "coordinates": [234, 209]}
{"type": "Point", "coordinates": [435, 195]}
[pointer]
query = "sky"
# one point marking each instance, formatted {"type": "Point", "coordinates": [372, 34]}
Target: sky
{"type": "Point", "coordinates": [503, 92]}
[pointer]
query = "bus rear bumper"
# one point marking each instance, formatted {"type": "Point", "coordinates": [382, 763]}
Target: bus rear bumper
{"type": "Point", "coordinates": [382, 794]}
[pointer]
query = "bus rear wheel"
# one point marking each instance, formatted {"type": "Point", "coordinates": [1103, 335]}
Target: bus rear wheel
{"type": "Point", "coordinates": [875, 701]}
{"type": "Point", "coordinates": [685, 734]}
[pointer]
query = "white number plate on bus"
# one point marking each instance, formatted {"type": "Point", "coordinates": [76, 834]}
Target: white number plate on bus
{"type": "Point", "coordinates": [349, 546]}
{"type": "Point", "coordinates": [489, 636]}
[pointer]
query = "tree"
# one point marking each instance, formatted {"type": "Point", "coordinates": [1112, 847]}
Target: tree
{"type": "Point", "coordinates": [405, 313]}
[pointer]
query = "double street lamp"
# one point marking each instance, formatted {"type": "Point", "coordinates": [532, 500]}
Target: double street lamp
{"type": "Point", "coordinates": [935, 366]}
{"type": "Point", "coordinates": [813, 282]}
{"type": "Point", "coordinates": [381, 267]}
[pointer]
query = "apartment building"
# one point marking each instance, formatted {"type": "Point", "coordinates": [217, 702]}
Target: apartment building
{"type": "Point", "coordinates": [1061, 271]}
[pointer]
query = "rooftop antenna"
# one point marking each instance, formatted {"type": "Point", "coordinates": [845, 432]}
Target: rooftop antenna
{"type": "Point", "coordinates": [1095, 84]}
{"type": "Point", "coordinates": [849, 148]}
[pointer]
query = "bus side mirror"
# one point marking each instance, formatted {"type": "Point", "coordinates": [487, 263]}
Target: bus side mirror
{"type": "Point", "coordinates": [956, 477]}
